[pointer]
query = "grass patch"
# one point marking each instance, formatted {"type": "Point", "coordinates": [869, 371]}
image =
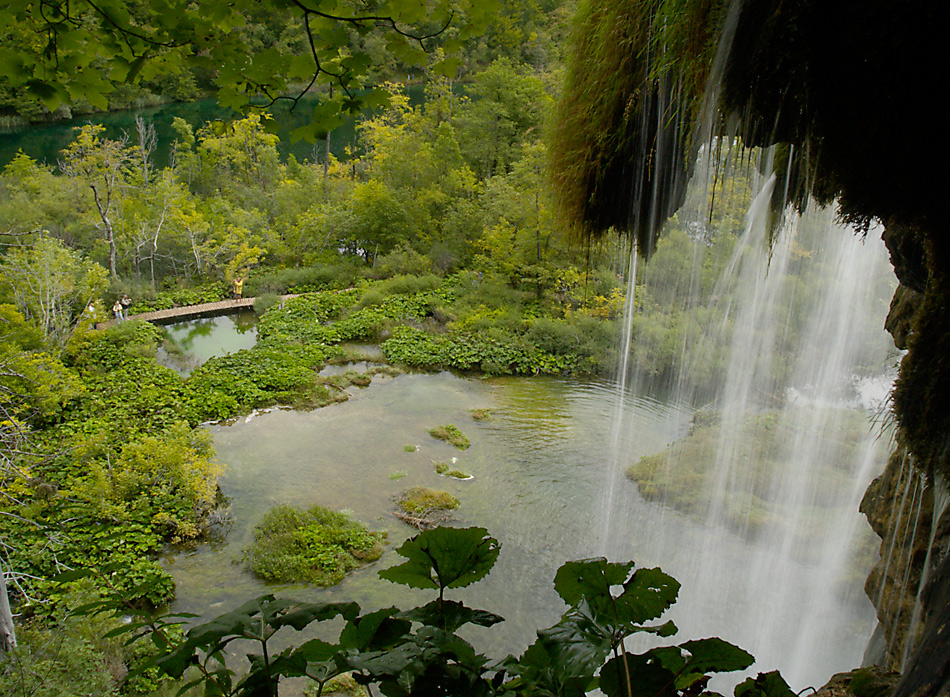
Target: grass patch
{"type": "Point", "coordinates": [398, 474]}
{"type": "Point", "coordinates": [482, 414]}
{"type": "Point", "coordinates": [317, 546]}
{"type": "Point", "coordinates": [446, 471]}
{"type": "Point", "coordinates": [411, 448]}
{"type": "Point", "coordinates": [425, 508]}
{"type": "Point", "coordinates": [451, 434]}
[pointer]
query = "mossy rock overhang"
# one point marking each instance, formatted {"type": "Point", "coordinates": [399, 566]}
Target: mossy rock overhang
{"type": "Point", "coordinates": [847, 92]}
{"type": "Point", "coordinates": [852, 89]}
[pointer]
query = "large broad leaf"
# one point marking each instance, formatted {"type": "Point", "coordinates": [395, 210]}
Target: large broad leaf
{"type": "Point", "coordinates": [590, 579]}
{"type": "Point", "coordinates": [713, 655]}
{"type": "Point", "coordinates": [445, 558]}
{"type": "Point", "coordinates": [299, 615]}
{"type": "Point", "coordinates": [764, 685]}
{"type": "Point", "coordinates": [567, 655]}
{"type": "Point", "coordinates": [319, 659]}
{"type": "Point", "coordinates": [634, 675]}
{"type": "Point", "coordinates": [374, 631]}
{"type": "Point", "coordinates": [647, 595]}
{"type": "Point", "coordinates": [450, 615]}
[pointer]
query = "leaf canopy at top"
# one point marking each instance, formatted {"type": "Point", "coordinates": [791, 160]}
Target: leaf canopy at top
{"type": "Point", "coordinates": [60, 51]}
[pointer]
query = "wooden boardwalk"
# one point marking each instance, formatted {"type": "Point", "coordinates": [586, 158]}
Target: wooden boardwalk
{"type": "Point", "coordinates": [180, 314]}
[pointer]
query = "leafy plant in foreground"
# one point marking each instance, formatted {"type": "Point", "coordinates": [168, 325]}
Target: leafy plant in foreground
{"type": "Point", "coordinates": [418, 652]}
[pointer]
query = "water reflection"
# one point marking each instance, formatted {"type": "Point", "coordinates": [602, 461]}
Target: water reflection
{"type": "Point", "coordinates": [189, 344]}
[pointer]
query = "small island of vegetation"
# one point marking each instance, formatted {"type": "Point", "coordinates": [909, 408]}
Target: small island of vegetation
{"type": "Point", "coordinates": [318, 546]}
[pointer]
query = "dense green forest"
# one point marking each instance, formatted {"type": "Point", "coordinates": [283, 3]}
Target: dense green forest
{"type": "Point", "coordinates": [437, 240]}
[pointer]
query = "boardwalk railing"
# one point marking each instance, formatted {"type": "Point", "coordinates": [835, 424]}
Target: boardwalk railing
{"type": "Point", "coordinates": [179, 314]}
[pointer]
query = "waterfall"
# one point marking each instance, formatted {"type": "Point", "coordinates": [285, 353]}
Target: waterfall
{"type": "Point", "coordinates": [754, 510]}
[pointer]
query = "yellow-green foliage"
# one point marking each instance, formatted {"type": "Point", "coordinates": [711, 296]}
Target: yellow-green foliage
{"type": "Point", "coordinates": [444, 469]}
{"type": "Point", "coordinates": [482, 414]}
{"type": "Point", "coordinates": [318, 546]}
{"type": "Point", "coordinates": [71, 654]}
{"type": "Point", "coordinates": [171, 477]}
{"type": "Point", "coordinates": [420, 500]}
{"type": "Point", "coordinates": [343, 685]}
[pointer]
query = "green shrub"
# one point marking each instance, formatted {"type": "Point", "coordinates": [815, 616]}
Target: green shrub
{"type": "Point", "coordinates": [406, 285]}
{"type": "Point", "coordinates": [451, 434]}
{"type": "Point", "coordinates": [317, 546]}
{"type": "Point", "coordinates": [303, 280]}
{"type": "Point", "coordinates": [402, 261]}
{"type": "Point", "coordinates": [265, 301]}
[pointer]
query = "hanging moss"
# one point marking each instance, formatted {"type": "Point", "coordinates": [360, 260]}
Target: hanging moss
{"type": "Point", "coordinates": [622, 140]}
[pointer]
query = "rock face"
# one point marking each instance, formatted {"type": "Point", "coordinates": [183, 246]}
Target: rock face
{"type": "Point", "coordinates": [900, 508]}
{"type": "Point", "coordinates": [907, 504]}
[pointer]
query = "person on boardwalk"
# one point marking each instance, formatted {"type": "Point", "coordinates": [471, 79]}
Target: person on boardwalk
{"type": "Point", "coordinates": [237, 287]}
{"type": "Point", "coordinates": [117, 311]}
{"type": "Point", "coordinates": [126, 302]}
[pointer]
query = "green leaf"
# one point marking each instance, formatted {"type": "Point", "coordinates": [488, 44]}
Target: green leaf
{"type": "Point", "coordinates": [319, 659]}
{"type": "Point", "coordinates": [450, 615]}
{"type": "Point", "coordinates": [769, 684]}
{"type": "Point", "coordinates": [589, 579]}
{"type": "Point", "coordinates": [647, 678]}
{"type": "Point", "coordinates": [445, 558]}
{"type": "Point", "coordinates": [375, 631]}
{"type": "Point", "coordinates": [715, 655]}
{"type": "Point", "coordinates": [647, 595]}
{"type": "Point", "coordinates": [305, 613]}
{"type": "Point", "coordinates": [448, 67]}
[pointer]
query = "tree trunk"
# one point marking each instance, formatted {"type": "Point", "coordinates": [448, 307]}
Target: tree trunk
{"type": "Point", "coordinates": [7, 633]}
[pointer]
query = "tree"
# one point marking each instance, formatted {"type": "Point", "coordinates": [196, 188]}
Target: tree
{"type": "Point", "coordinates": [101, 164]}
{"type": "Point", "coordinates": [507, 109]}
{"type": "Point", "coordinates": [81, 49]}
{"type": "Point", "coordinates": [53, 286]}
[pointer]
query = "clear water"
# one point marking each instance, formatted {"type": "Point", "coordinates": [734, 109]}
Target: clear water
{"type": "Point", "coordinates": [536, 467]}
{"type": "Point", "coordinates": [189, 344]}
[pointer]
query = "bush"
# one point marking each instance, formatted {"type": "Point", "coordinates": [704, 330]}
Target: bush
{"type": "Point", "coordinates": [303, 280]}
{"type": "Point", "coordinates": [317, 546]}
{"type": "Point", "coordinates": [265, 301]}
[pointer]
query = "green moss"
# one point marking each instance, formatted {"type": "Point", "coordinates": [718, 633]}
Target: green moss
{"type": "Point", "coordinates": [482, 414]}
{"type": "Point", "coordinates": [343, 685]}
{"type": "Point", "coordinates": [606, 142]}
{"type": "Point", "coordinates": [398, 474]}
{"type": "Point", "coordinates": [421, 501]}
{"type": "Point", "coordinates": [317, 546]}
{"type": "Point", "coordinates": [450, 434]}
{"type": "Point", "coordinates": [443, 469]}
{"type": "Point", "coordinates": [686, 487]}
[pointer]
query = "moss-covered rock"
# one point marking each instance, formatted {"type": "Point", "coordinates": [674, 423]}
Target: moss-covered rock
{"type": "Point", "coordinates": [317, 546]}
{"type": "Point", "coordinates": [425, 508]}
